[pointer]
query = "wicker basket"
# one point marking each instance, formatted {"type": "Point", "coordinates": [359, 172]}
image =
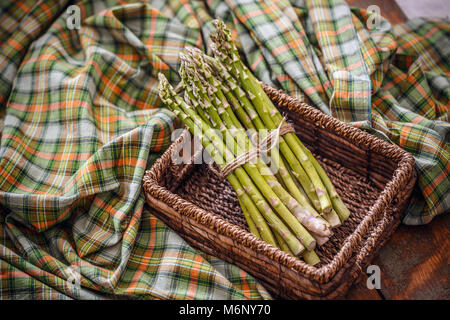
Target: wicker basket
{"type": "Point", "coordinates": [374, 178]}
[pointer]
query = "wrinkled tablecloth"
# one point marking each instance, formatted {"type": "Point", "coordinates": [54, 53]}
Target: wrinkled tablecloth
{"type": "Point", "coordinates": [82, 121]}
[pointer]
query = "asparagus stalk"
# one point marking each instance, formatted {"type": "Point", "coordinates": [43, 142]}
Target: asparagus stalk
{"type": "Point", "coordinates": [263, 230]}
{"type": "Point", "coordinates": [311, 257]}
{"type": "Point", "coordinates": [229, 54]}
{"type": "Point", "coordinates": [215, 146]}
{"type": "Point", "coordinates": [338, 205]}
{"type": "Point", "coordinates": [293, 188]}
{"type": "Point", "coordinates": [215, 109]}
{"type": "Point", "coordinates": [282, 244]}
{"type": "Point", "coordinates": [279, 206]}
{"type": "Point", "coordinates": [250, 211]}
{"type": "Point", "coordinates": [239, 95]}
{"type": "Point", "coordinates": [241, 143]}
{"type": "Point", "coordinates": [331, 217]}
{"type": "Point", "coordinates": [251, 224]}
{"type": "Point", "coordinates": [320, 239]}
{"type": "Point", "coordinates": [254, 219]}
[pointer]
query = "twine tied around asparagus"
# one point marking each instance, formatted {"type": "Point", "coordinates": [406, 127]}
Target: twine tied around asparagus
{"type": "Point", "coordinates": [271, 140]}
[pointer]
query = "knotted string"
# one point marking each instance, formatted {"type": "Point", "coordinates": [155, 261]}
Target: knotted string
{"type": "Point", "coordinates": [271, 139]}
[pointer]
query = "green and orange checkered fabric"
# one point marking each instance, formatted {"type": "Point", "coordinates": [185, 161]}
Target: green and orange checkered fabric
{"type": "Point", "coordinates": [82, 121]}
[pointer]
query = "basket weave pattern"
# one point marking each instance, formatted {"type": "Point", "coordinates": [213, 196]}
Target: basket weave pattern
{"type": "Point", "coordinates": [374, 179]}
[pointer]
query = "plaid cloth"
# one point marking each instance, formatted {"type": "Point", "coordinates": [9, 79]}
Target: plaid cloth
{"type": "Point", "coordinates": [82, 123]}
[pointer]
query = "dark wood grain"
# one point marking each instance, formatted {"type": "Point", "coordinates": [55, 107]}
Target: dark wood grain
{"type": "Point", "coordinates": [359, 291]}
{"type": "Point", "coordinates": [389, 9]}
{"type": "Point", "coordinates": [415, 262]}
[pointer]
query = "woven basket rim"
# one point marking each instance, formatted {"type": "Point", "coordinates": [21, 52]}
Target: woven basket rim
{"type": "Point", "coordinates": [323, 274]}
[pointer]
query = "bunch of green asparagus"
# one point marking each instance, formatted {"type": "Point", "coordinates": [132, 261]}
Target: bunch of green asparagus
{"type": "Point", "coordinates": [292, 204]}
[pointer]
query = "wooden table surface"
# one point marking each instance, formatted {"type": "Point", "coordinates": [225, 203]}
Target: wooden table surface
{"type": "Point", "coordinates": [414, 263]}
